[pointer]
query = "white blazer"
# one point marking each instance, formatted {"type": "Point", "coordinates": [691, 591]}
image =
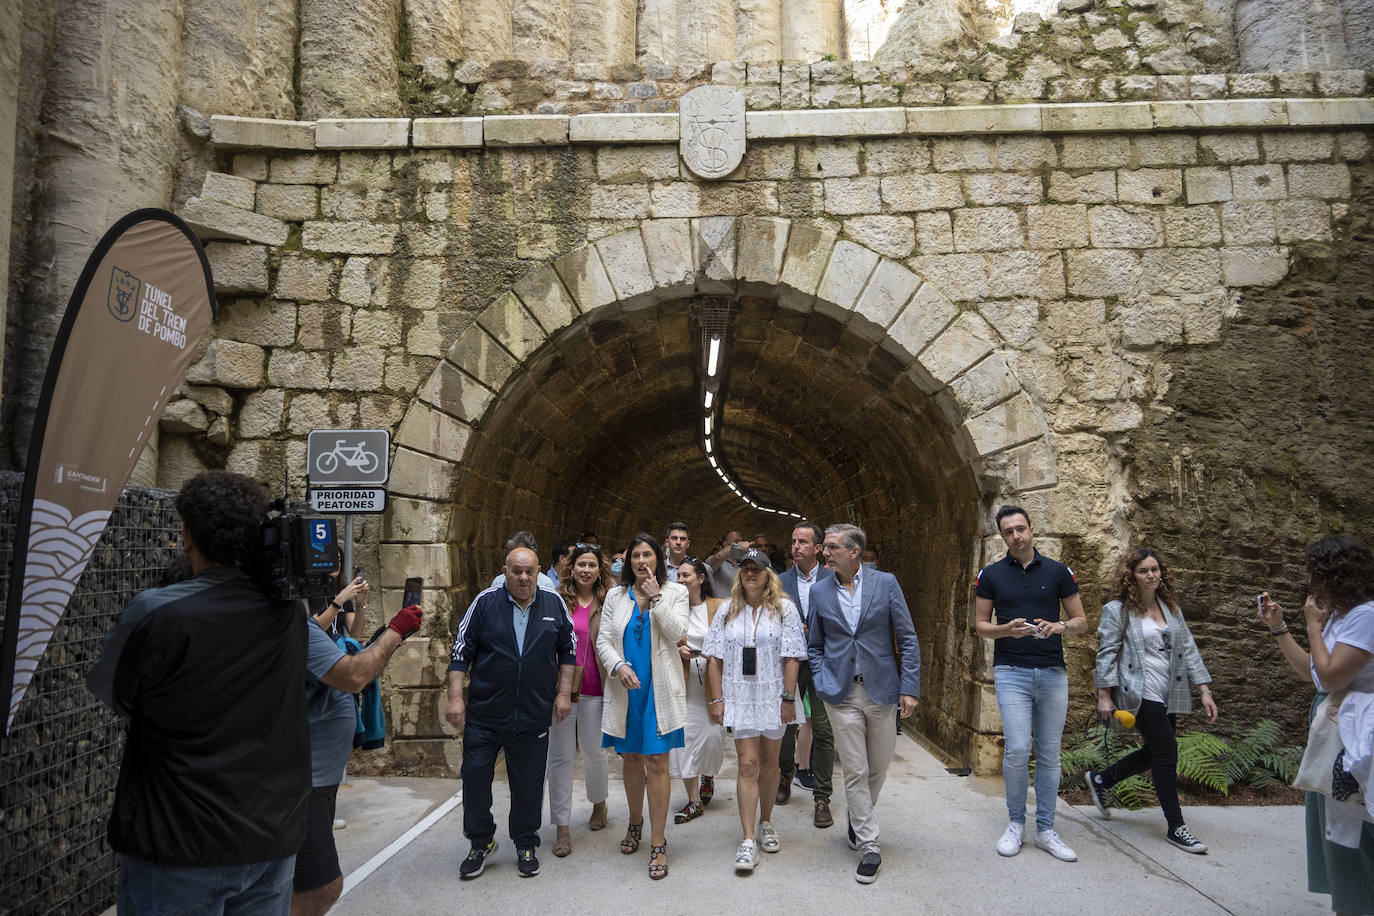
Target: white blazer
{"type": "Point", "coordinates": [668, 624]}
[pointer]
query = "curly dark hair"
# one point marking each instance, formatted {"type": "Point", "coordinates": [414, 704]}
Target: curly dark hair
{"type": "Point", "coordinates": [1340, 573]}
{"type": "Point", "coordinates": [224, 512]}
{"type": "Point", "coordinates": [567, 586]}
{"type": "Point", "coordinates": [1128, 592]}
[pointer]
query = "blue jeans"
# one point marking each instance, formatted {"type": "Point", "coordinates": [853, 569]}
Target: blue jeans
{"type": "Point", "coordinates": [1033, 701]}
{"type": "Point", "coordinates": [212, 890]}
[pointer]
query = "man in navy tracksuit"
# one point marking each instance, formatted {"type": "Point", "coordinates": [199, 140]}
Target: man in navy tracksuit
{"type": "Point", "coordinates": [516, 647]}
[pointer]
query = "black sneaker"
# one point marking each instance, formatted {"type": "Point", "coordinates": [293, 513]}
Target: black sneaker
{"type": "Point", "coordinates": [526, 862]}
{"type": "Point", "coordinates": [1098, 792]}
{"type": "Point", "coordinates": [477, 860]}
{"type": "Point", "coordinates": [853, 837]}
{"type": "Point", "coordinates": [1183, 838]}
{"type": "Point", "coordinates": [867, 871]}
{"type": "Point", "coordinates": [804, 780]}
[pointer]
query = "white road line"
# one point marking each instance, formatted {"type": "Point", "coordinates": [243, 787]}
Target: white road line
{"type": "Point", "coordinates": [361, 874]}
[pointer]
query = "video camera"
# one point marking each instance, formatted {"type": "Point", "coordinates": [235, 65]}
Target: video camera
{"type": "Point", "coordinates": [297, 554]}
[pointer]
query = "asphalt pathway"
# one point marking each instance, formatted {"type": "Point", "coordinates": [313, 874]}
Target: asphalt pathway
{"type": "Point", "coordinates": [401, 849]}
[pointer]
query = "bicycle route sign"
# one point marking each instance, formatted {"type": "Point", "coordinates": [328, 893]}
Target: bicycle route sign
{"type": "Point", "coordinates": [347, 457]}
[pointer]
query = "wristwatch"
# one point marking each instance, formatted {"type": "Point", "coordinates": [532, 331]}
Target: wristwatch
{"type": "Point", "coordinates": [788, 698]}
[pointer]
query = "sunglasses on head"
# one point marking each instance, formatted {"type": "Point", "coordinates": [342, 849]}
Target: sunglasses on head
{"type": "Point", "coordinates": [595, 548]}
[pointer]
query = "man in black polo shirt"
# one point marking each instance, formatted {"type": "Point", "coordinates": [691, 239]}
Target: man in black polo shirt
{"type": "Point", "coordinates": [1026, 590]}
{"type": "Point", "coordinates": [210, 806]}
{"type": "Point", "coordinates": [517, 647]}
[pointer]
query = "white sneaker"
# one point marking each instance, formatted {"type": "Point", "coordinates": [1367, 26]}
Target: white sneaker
{"type": "Point", "coordinates": [1011, 841]}
{"type": "Point", "coordinates": [747, 856]}
{"type": "Point", "coordinates": [1049, 841]}
{"type": "Point", "coordinates": [768, 837]}
{"type": "Point", "coordinates": [340, 823]}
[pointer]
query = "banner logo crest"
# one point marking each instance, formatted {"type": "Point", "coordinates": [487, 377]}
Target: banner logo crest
{"type": "Point", "coordinates": [123, 297]}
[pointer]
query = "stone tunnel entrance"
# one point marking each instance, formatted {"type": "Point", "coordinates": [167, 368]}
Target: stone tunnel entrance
{"type": "Point", "coordinates": [852, 391]}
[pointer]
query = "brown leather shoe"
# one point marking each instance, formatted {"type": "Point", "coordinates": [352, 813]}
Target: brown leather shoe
{"type": "Point", "coordinates": [823, 818]}
{"type": "Point", "coordinates": [784, 789]}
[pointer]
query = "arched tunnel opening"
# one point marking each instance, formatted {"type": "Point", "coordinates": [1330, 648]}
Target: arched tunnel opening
{"type": "Point", "coordinates": [601, 430]}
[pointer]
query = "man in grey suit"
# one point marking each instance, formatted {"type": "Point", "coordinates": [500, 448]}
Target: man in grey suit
{"type": "Point", "coordinates": [858, 619]}
{"type": "Point", "coordinates": [806, 571]}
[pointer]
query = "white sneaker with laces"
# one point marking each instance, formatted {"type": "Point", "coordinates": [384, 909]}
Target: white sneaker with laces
{"type": "Point", "coordinates": [1049, 841]}
{"type": "Point", "coordinates": [1010, 843]}
{"type": "Point", "coordinates": [747, 856]}
{"type": "Point", "coordinates": [768, 837]}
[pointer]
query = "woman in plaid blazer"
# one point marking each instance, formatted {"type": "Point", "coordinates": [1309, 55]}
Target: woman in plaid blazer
{"type": "Point", "coordinates": [1148, 664]}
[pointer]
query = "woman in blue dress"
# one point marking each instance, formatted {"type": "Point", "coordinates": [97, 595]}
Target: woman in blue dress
{"type": "Point", "coordinates": [645, 706]}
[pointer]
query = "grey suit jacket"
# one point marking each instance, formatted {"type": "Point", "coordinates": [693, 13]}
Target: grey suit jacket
{"type": "Point", "coordinates": [789, 585]}
{"type": "Point", "coordinates": [837, 653]}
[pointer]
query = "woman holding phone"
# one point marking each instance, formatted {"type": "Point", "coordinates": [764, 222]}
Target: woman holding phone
{"type": "Point", "coordinates": [1148, 663]}
{"type": "Point", "coordinates": [583, 589]}
{"type": "Point", "coordinates": [704, 751]}
{"type": "Point", "coordinates": [645, 707]}
{"type": "Point", "coordinates": [1339, 615]}
{"type": "Point", "coordinates": [345, 614]}
{"type": "Point", "coordinates": [755, 647]}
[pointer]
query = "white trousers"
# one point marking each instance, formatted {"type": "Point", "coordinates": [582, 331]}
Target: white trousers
{"type": "Point", "coordinates": [581, 728]}
{"type": "Point", "coordinates": [865, 740]}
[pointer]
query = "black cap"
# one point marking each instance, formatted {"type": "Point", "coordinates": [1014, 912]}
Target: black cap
{"type": "Point", "coordinates": [757, 557]}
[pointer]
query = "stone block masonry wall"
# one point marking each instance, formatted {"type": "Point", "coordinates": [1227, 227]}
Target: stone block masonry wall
{"type": "Point", "coordinates": [59, 764]}
{"type": "Point", "coordinates": [1059, 255]}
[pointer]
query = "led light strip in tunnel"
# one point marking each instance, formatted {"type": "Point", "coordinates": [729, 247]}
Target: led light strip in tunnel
{"type": "Point", "coordinates": [709, 405]}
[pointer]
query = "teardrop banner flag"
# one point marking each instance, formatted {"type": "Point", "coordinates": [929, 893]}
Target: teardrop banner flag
{"type": "Point", "coordinates": [135, 320]}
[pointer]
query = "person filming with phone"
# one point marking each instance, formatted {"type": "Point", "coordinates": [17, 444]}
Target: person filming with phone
{"type": "Point", "coordinates": [332, 678]}
{"type": "Point", "coordinates": [1338, 616]}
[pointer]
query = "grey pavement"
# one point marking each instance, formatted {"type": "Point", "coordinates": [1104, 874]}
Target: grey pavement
{"type": "Point", "coordinates": [938, 838]}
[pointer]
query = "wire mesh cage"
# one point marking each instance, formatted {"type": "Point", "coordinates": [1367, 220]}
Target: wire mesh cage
{"type": "Point", "coordinates": [59, 765]}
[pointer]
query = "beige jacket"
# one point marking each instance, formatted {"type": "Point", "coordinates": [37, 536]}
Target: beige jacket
{"type": "Point", "coordinates": [668, 623]}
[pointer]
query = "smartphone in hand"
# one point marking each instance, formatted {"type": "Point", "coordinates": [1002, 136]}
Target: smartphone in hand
{"type": "Point", "coordinates": [414, 588]}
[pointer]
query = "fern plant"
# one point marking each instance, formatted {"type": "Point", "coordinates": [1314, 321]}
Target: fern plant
{"type": "Point", "coordinates": [1253, 758]}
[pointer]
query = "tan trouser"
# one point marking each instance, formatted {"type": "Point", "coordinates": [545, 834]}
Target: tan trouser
{"type": "Point", "coordinates": [865, 739]}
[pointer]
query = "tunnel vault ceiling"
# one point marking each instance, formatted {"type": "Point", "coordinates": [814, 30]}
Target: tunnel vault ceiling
{"type": "Point", "coordinates": [600, 431]}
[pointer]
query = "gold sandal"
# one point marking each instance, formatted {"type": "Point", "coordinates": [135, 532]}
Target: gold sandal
{"type": "Point", "coordinates": [658, 870]}
{"type": "Point", "coordinates": [633, 834]}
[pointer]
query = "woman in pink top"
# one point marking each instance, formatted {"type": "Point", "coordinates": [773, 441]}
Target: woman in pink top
{"type": "Point", "coordinates": [583, 591]}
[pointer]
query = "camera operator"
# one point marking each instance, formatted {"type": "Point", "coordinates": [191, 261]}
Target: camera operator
{"type": "Point", "coordinates": [209, 807]}
{"type": "Point", "coordinates": [332, 678]}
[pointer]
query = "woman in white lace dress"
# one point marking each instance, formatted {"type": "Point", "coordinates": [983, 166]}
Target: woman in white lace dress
{"type": "Point", "coordinates": [755, 647]}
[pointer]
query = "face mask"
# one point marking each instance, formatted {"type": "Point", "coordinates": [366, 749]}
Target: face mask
{"type": "Point", "coordinates": [869, 565]}
{"type": "Point", "coordinates": [616, 567]}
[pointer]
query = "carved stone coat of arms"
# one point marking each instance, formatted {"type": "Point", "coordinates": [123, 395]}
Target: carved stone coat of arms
{"type": "Point", "coordinates": [711, 130]}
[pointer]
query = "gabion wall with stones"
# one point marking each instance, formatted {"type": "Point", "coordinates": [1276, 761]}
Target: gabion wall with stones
{"type": "Point", "coordinates": [59, 764]}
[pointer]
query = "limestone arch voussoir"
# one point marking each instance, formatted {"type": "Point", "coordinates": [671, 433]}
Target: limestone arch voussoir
{"type": "Point", "coordinates": [955, 356]}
